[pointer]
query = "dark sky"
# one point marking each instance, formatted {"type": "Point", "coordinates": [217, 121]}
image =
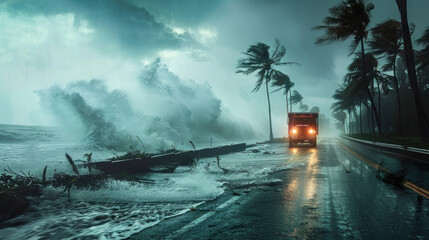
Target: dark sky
{"type": "Point", "coordinates": [55, 42]}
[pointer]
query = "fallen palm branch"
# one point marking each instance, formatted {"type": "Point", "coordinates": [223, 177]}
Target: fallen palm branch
{"type": "Point", "coordinates": [256, 184]}
{"type": "Point", "coordinates": [395, 178]}
{"type": "Point", "coordinates": [14, 190]}
{"type": "Point", "coordinates": [232, 190]}
{"type": "Point", "coordinates": [345, 169]}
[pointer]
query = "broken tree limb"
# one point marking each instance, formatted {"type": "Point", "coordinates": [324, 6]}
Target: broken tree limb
{"type": "Point", "coordinates": [144, 162]}
{"type": "Point", "coordinates": [218, 165]}
{"type": "Point", "coordinates": [232, 190]}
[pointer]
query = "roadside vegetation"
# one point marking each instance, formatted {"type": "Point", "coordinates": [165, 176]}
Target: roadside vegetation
{"type": "Point", "coordinates": [385, 93]}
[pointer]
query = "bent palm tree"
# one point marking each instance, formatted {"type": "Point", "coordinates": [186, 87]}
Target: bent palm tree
{"type": "Point", "coordinates": [283, 82]}
{"type": "Point", "coordinates": [349, 95]}
{"type": "Point", "coordinates": [340, 116]}
{"type": "Point", "coordinates": [295, 98]}
{"type": "Point", "coordinates": [258, 60]}
{"type": "Point", "coordinates": [411, 67]}
{"type": "Point", "coordinates": [349, 19]}
{"type": "Point", "coordinates": [372, 74]}
{"type": "Point", "coordinates": [303, 107]}
{"type": "Point", "coordinates": [387, 41]}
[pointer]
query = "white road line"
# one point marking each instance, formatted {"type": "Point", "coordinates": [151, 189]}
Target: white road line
{"type": "Point", "coordinates": [202, 218]}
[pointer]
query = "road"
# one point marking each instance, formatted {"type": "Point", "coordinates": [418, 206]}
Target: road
{"type": "Point", "coordinates": [334, 195]}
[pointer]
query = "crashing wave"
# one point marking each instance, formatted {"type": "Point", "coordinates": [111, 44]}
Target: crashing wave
{"type": "Point", "coordinates": [168, 109]}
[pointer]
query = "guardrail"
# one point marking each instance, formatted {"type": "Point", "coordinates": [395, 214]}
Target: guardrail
{"type": "Point", "coordinates": [420, 154]}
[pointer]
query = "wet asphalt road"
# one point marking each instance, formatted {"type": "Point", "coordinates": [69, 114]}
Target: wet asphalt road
{"type": "Point", "coordinates": [335, 195]}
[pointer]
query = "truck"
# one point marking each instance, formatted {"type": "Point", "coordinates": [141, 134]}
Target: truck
{"type": "Point", "coordinates": [303, 128]}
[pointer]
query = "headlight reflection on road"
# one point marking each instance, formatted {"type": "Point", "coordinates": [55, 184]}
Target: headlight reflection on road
{"type": "Point", "coordinates": [294, 151]}
{"type": "Point", "coordinates": [290, 193]}
{"type": "Point", "coordinates": [312, 170]}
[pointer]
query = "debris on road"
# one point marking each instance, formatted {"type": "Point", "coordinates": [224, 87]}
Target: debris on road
{"type": "Point", "coordinates": [395, 178]}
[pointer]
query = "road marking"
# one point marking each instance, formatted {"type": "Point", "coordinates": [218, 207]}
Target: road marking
{"type": "Point", "coordinates": [296, 156]}
{"type": "Point", "coordinates": [421, 191]}
{"type": "Point", "coordinates": [202, 218]}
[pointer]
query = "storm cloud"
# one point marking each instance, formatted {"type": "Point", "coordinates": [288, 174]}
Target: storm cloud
{"type": "Point", "coordinates": [60, 42]}
{"type": "Point", "coordinates": [120, 25]}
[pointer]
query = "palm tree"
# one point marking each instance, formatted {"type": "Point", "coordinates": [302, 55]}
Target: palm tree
{"type": "Point", "coordinates": [340, 116]}
{"type": "Point", "coordinates": [315, 109]}
{"type": "Point", "coordinates": [303, 107]}
{"type": "Point", "coordinates": [349, 95]}
{"type": "Point", "coordinates": [258, 60]}
{"type": "Point", "coordinates": [349, 19]}
{"type": "Point", "coordinates": [295, 98]}
{"type": "Point", "coordinates": [372, 74]}
{"type": "Point", "coordinates": [387, 41]}
{"type": "Point", "coordinates": [411, 67]}
{"type": "Point", "coordinates": [283, 82]}
{"type": "Point", "coordinates": [342, 104]}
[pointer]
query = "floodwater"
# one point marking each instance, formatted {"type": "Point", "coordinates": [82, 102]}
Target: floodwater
{"type": "Point", "coordinates": [119, 208]}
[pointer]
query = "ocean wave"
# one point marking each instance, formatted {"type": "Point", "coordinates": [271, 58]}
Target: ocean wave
{"type": "Point", "coordinates": [12, 133]}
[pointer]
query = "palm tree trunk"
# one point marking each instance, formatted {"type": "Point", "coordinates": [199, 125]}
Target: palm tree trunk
{"type": "Point", "coordinates": [290, 96]}
{"type": "Point", "coordinates": [367, 118]}
{"type": "Point", "coordinates": [269, 108]}
{"type": "Point", "coordinates": [379, 100]}
{"type": "Point", "coordinates": [287, 114]}
{"type": "Point", "coordinates": [350, 125]}
{"type": "Point", "coordinates": [411, 67]}
{"type": "Point", "coordinates": [360, 117]}
{"type": "Point", "coordinates": [372, 112]}
{"type": "Point", "coordinates": [287, 104]}
{"type": "Point", "coordinates": [356, 120]}
{"type": "Point", "coordinates": [369, 93]}
{"type": "Point", "coordinates": [398, 99]}
{"type": "Point", "coordinates": [372, 121]}
{"type": "Point", "coordinates": [344, 126]}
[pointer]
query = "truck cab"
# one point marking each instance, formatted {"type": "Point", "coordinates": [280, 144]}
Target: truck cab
{"type": "Point", "coordinates": [303, 128]}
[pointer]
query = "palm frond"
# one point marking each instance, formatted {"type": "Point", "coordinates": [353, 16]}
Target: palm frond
{"type": "Point", "coordinates": [347, 19]}
{"type": "Point", "coordinates": [277, 42]}
{"type": "Point", "coordinates": [296, 97]}
{"type": "Point", "coordinates": [44, 174]}
{"type": "Point", "coordinates": [71, 162]}
{"type": "Point", "coordinates": [261, 75]}
{"type": "Point", "coordinates": [282, 81]}
{"type": "Point", "coordinates": [424, 39]}
{"type": "Point", "coordinates": [193, 145]}
{"type": "Point", "coordinates": [258, 60]}
{"type": "Point", "coordinates": [289, 63]}
{"type": "Point", "coordinates": [278, 56]}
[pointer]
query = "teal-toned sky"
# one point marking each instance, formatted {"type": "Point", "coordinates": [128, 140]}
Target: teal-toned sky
{"type": "Point", "coordinates": [57, 42]}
